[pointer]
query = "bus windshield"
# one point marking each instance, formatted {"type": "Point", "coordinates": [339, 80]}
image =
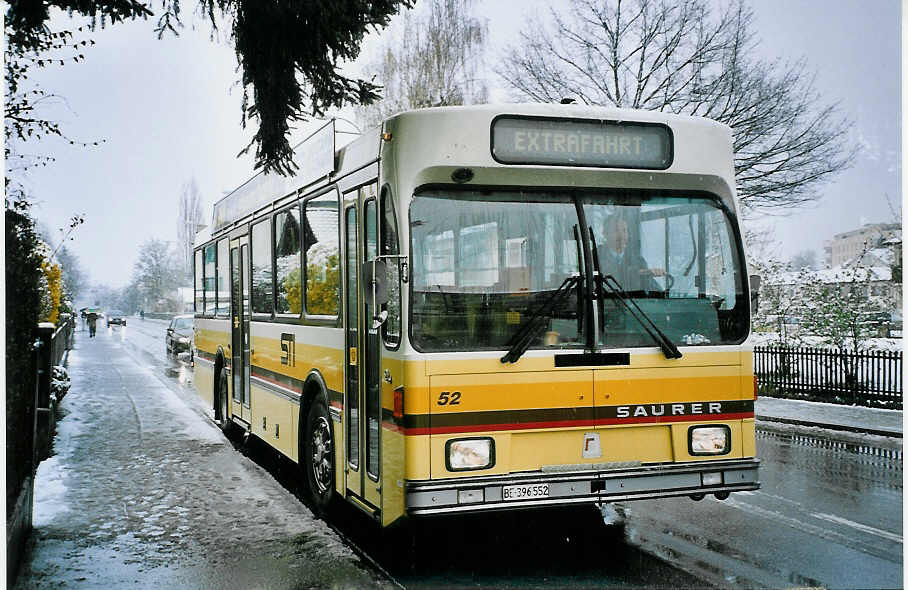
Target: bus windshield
{"type": "Point", "coordinates": [483, 262]}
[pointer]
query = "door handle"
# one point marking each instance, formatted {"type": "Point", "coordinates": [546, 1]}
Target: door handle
{"type": "Point", "coordinates": [388, 376]}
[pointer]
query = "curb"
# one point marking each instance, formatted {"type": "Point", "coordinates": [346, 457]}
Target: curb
{"type": "Point", "coordinates": [842, 427]}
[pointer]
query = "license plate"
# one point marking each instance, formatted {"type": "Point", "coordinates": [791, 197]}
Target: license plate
{"type": "Point", "coordinates": [539, 490]}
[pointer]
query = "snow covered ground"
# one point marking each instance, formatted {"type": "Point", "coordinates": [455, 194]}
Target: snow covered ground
{"type": "Point", "coordinates": [144, 492]}
{"type": "Point", "coordinates": [765, 338]}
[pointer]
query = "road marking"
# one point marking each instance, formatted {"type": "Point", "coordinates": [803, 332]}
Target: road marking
{"type": "Point", "coordinates": [846, 540]}
{"type": "Point", "coordinates": [778, 498]}
{"type": "Point", "coordinates": [859, 526]}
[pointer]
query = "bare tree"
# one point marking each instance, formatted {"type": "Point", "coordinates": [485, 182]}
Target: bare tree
{"type": "Point", "coordinates": [895, 209]}
{"type": "Point", "coordinates": [762, 244]}
{"type": "Point", "coordinates": [436, 60]}
{"type": "Point", "coordinates": [74, 276]}
{"type": "Point", "coordinates": [782, 300]}
{"type": "Point", "coordinates": [289, 54]}
{"type": "Point", "coordinates": [805, 259]}
{"type": "Point", "coordinates": [188, 222]}
{"type": "Point", "coordinates": [25, 113]}
{"type": "Point", "coordinates": [156, 275]}
{"type": "Point", "coordinates": [686, 57]}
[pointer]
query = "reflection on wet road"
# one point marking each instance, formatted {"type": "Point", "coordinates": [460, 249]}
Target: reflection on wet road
{"type": "Point", "coordinates": [828, 514]}
{"type": "Point", "coordinates": [560, 548]}
{"type": "Point", "coordinates": [550, 549]}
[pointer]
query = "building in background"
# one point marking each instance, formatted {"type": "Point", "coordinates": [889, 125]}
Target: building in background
{"type": "Point", "coordinates": [847, 246]}
{"type": "Point", "coordinates": [873, 272]}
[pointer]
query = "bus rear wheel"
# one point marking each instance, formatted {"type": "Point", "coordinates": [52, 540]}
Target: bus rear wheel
{"type": "Point", "coordinates": [318, 456]}
{"type": "Point", "coordinates": [224, 402]}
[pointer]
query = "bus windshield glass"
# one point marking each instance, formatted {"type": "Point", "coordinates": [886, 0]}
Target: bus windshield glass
{"type": "Point", "coordinates": [678, 258]}
{"type": "Point", "coordinates": [485, 262]}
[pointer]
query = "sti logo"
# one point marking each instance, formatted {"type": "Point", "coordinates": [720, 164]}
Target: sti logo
{"type": "Point", "coordinates": [288, 349]}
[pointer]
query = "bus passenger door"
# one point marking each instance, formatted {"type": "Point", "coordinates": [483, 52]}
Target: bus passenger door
{"type": "Point", "coordinates": [362, 396]}
{"type": "Point", "coordinates": [352, 471]}
{"type": "Point", "coordinates": [239, 328]}
{"type": "Point", "coordinates": [371, 358]}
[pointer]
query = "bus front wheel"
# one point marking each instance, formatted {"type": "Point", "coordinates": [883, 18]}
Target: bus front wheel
{"type": "Point", "coordinates": [318, 456]}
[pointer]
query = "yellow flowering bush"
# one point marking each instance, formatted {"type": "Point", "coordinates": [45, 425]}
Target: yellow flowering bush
{"type": "Point", "coordinates": [294, 291]}
{"type": "Point", "coordinates": [54, 278]}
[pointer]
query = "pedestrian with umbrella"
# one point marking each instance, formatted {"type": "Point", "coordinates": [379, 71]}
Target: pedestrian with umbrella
{"type": "Point", "coordinates": [92, 323]}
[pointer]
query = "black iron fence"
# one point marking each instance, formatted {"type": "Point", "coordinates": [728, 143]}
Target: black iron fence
{"type": "Point", "coordinates": [869, 378]}
{"type": "Point", "coordinates": [54, 342]}
{"type": "Point", "coordinates": [30, 430]}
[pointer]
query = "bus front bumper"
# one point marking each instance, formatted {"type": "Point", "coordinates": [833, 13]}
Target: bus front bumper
{"type": "Point", "coordinates": [564, 485]}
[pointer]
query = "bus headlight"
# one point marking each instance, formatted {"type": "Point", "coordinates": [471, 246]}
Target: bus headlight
{"type": "Point", "coordinates": [184, 340]}
{"type": "Point", "coordinates": [709, 440]}
{"type": "Point", "coordinates": [465, 454]}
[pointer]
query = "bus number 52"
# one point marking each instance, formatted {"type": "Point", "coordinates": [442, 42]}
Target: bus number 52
{"type": "Point", "coordinates": [449, 398]}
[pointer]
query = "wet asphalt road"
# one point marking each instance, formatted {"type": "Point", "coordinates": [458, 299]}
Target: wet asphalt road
{"type": "Point", "coordinates": [828, 515]}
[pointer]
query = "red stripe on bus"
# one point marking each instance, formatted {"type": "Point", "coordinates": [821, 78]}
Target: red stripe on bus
{"type": "Point", "coordinates": [273, 382]}
{"type": "Point", "coordinates": [387, 425]}
{"type": "Point", "coordinates": [575, 423]}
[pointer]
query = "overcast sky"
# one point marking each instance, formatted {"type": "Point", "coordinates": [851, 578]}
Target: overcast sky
{"type": "Point", "coordinates": [169, 111]}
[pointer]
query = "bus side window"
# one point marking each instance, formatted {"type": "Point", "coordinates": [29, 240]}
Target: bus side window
{"type": "Point", "coordinates": [262, 275]}
{"type": "Point", "coordinates": [371, 229]}
{"type": "Point", "coordinates": [209, 280]}
{"type": "Point", "coordinates": [321, 227]}
{"type": "Point", "coordinates": [199, 283]}
{"type": "Point", "coordinates": [389, 245]}
{"type": "Point", "coordinates": [222, 282]}
{"type": "Point", "coordinates": [287, 242]}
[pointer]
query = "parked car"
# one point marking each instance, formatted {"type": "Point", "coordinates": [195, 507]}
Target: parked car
{"type": "Point", "coordinates": [116, 317]}
{"type": "Point", "coordinates": [179, 335]}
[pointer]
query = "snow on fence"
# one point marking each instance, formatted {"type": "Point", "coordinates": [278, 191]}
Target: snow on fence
{"type": "Point", "coordinates": [870, 378]}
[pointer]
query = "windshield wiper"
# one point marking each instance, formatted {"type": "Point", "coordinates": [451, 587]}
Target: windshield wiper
{"type": "Point", "coordinates": [668, 347]}
{"type": "Point", "coordinates": [530, 328]}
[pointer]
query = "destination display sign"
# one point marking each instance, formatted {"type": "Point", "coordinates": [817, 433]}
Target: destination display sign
{"type": "Point", "coordinates": [567, 142]}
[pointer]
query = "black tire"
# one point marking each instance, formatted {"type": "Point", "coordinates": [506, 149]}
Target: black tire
{"type": "Point", "coordinates": [223, 402]}
{"type": "Point", "coordinates": [318, 456]}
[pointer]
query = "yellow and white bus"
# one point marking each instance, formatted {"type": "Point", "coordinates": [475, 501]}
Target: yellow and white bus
{"type": "Point", "coordinates": [488, 308]}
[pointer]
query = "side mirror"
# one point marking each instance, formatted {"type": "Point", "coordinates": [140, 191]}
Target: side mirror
{"type": "Point", "coordinates": [755, 293]}
{"type": "Point", "coordinates": [375, 280]}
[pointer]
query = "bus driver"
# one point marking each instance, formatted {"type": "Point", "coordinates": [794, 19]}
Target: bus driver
{"type": "Point", "coordinates": [629, 269]}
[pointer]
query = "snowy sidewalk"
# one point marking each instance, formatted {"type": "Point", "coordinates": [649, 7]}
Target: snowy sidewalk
{"type": "Point", "coordinates": [830, 416]}
{"type": "Point", "coordinates": [144, 492]}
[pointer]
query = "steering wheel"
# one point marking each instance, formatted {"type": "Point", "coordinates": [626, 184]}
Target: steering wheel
{"type": "Point", "coordinates": [669, 281]}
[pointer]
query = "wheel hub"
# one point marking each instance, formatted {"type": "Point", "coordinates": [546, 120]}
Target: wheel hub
{"type": "Point", "coordinates": [321, 454]}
